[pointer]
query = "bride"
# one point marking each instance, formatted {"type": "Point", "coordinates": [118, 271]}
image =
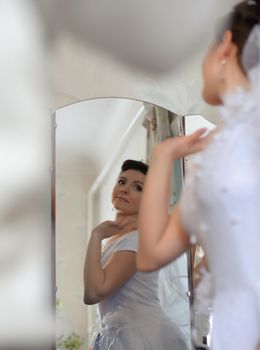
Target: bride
{"type": "Point", "coordinates": [220, 202]}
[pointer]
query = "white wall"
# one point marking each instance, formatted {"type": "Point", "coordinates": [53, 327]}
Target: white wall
{"type": "Point", "coordinates": [71, 240]}
{"type": "Point", "coordinates": [195, 122]}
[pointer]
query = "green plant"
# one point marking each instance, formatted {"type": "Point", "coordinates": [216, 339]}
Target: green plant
{"type": "Point", "coordinates": [58, 303]}
{"type": "Point", "coordinates": [72, 342]}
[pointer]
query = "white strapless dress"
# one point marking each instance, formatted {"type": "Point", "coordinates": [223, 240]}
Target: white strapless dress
{"type": "Point", "coordinates": [220, 208]}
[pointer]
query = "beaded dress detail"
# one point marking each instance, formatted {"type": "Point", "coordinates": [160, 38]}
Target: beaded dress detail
{"type": "Point", "coordinates": [220, 209]}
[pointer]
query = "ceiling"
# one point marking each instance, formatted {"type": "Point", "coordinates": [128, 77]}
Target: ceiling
{"type": "Point", "coordinates": [89, 132]}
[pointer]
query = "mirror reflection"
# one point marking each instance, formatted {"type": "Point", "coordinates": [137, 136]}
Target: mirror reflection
{"type": "Point", "coordinates": [93, 139]}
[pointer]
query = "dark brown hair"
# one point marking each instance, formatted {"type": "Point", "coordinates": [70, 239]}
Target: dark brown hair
{"type": "Point", "coordinates": [244, 16]}
{"type": "Point", "coordinates": [134, 165]}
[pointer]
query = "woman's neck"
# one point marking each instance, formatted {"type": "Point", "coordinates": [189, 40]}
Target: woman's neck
{"type": "Point", "coordinates": [121, 216]}
{"type": "Point", "coordinates": [129, 221]}
{"type": "Point", "coordinates": [235, 78]}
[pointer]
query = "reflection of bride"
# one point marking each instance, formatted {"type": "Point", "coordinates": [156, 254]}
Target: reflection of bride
{"type": "Point", "coordinates": [221, 197]}
{"type": "Point", "coordinates": [129, 313]}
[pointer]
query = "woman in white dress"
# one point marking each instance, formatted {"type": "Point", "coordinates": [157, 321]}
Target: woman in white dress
{"type": "Point", "coordinates": [129, 313]}
{"type": "Point", "coordinates": [220, 203]}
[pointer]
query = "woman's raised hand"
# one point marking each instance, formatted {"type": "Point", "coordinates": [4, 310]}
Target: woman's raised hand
{"type": "Point", "coordinates": [110, 228]}
{"type": "Point", "coordinates": [181, 146]}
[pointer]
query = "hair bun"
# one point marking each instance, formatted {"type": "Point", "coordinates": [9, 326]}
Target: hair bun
{"type": "Point", "coordinates": [248, 11]}
{"type": "Point", "coordinates": [241, 21]}
{"type": "Point", "coordinates": [255, 3]}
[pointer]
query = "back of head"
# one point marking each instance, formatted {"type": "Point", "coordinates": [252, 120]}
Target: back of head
{"type": "Point", "coordinates": [241, 21]}
{"type": "Point", "coordinates": [137, 165]}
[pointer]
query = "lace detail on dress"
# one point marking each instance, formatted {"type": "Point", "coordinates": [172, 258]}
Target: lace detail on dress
{"type": "Point", "coordinates": [220, 206]}
{"type": "Point", "coordinates": [237, 106]}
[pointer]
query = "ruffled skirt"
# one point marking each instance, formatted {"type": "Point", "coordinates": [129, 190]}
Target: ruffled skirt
{"type": "Point", "coordinates": [150, 331]}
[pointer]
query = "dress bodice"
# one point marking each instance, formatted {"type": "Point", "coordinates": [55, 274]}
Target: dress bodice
{"type": "Point", "coordinates": [220, 204]}
{"type": "Point", "coordinates": [132, 317]}
{"type": "Point", "coordinates": [140, 290]}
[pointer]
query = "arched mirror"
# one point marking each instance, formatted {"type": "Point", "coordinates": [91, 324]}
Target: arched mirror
{"type": "Point", "coordinates": [92, 139]}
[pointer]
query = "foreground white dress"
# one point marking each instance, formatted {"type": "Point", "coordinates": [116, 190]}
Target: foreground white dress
{"type": "Point", "coordinates": [132, 318]}
{"type": "Point", "coordinates": [220, 208]}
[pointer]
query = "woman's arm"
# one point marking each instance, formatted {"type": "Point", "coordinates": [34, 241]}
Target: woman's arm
{"type": "Point", "coordinates": [99, 282]}
{"type": "Point", "coordinates": [173, 242]}
{"type": "Point", "coordinates": [163, 238]}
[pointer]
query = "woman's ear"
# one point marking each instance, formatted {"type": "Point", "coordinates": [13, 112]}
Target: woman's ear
{"type": "Point", "coordinates": [227, 37]}
{"type": "Point", "coordinates": [227, 48]}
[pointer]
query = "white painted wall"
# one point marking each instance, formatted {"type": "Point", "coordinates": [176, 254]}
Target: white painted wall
{"type": "Point", "coordinates": [71, 243]}
{"type": "Point", "coordinates": [195, 122]}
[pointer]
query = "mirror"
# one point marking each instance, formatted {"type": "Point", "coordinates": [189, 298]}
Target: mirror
{"type": "Point", "coordinates": [93, 138]}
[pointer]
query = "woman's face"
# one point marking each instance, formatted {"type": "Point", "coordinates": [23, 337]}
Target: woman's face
{"type": "Point", "coordinates": [211, 71]}
{"type": "Point", "coordinates": [127, 192]}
